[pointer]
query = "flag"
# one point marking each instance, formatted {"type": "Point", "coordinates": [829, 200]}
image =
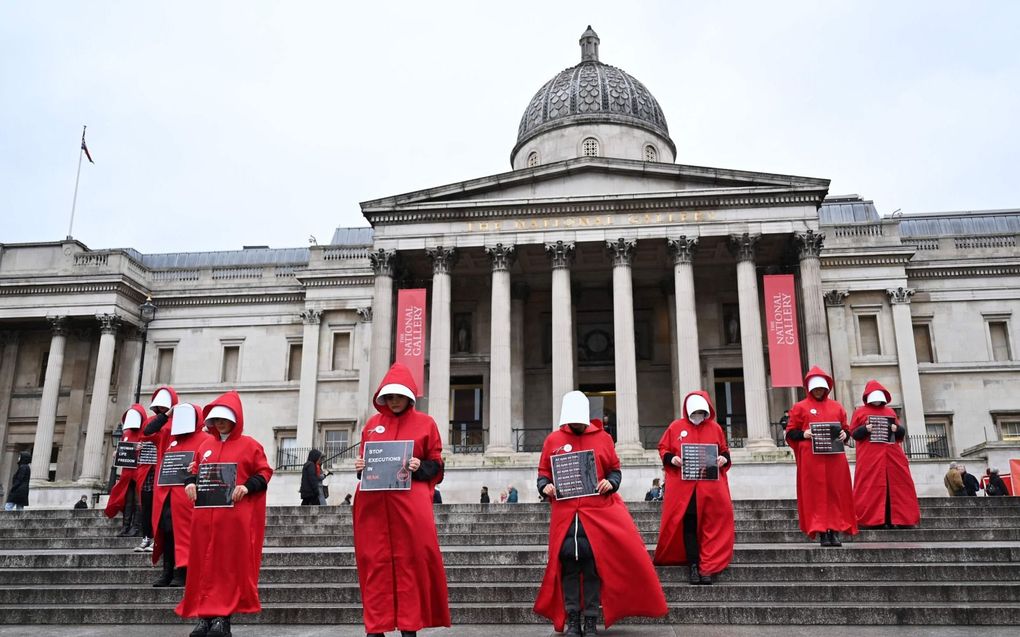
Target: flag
{"type": "Point", "coordinates": [84, 147]}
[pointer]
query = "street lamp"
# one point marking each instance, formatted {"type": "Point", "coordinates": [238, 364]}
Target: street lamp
{"type": "Point", "coordinates": [116, 434]}
{"type": "Point", "coordinates": [146, 312]}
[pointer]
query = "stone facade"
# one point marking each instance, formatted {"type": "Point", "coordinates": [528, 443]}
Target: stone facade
{"type": "Point", "coordinates": [636, 281]}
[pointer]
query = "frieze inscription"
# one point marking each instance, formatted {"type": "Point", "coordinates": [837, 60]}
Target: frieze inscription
{"type": "Point", "coordinates": [590, 221]}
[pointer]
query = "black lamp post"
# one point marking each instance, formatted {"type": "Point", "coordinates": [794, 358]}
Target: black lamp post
{"type": "Point", "coordinates": [146, 312]}
{"type": "Point", "coordinates": [116, 434]}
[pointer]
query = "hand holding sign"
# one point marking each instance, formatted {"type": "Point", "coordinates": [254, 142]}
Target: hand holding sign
{"type": "Point", "coordinates": [191, 491]}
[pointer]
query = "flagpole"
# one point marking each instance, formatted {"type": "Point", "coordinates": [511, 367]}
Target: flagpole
{"type": "Point", "coordinates": [74, 201]}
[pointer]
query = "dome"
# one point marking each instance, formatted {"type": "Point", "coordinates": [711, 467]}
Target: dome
{"type": "Point", "coordinates": [591, 92]}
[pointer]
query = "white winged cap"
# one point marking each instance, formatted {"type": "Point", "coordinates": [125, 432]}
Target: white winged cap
{"type": "Point", "coordinates": [696, 403]}
{"type": "Point", "coordinates": [222, 411]}
{"type": "Point", "coordinates": [574, 409]}
{"type": "Point", "coordinates": [817, 381]}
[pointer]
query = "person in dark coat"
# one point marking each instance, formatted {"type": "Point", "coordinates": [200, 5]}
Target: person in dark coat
{"type": "Point", "coordinates": [311, 480]}
{"type": "Point", "coordinates": [970, 483]}
{"type": "Point", "coordinates": [83, 503]}
{"type": "Point", "coordinates": [485, 496]}
{"type": "Point", "coordinates": [995, 486]}
{"type": "Point", "coordinates": [511, 494]}
{"type": "Point", "coordinates": [17, 497]}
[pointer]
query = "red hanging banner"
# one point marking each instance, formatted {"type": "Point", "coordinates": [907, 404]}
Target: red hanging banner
{"type": "Point", "coordinates": [411, 334]}
{"type": "Point", "coordinates": [781, 319]}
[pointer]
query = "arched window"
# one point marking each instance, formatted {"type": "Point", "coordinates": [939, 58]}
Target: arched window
{"type": "Point", "coordinates": [590, 147]}
{"type": "Point", "coordinates": [532, 159]}
{"type": "Point", "coordinates": [651, 154]}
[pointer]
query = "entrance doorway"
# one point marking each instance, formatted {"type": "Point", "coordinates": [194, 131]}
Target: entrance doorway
{"type": "Point", "coordinates": [602, 400]}
{"type": "Point", "coordinates": [467, 431]}
{"type": "Point", "coordinates": [730, 408]}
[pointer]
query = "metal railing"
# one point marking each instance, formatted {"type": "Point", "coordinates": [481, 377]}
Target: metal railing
{"type": "Point", "coordinates": [528, 440]}
{"type": "Point", "coordinates": [291, 458]}
{"type": "Point", "coordinates": [927, 446]}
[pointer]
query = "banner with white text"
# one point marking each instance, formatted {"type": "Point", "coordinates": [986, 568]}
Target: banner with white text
{"type": "Point", "coordinates": [411, 334]}
{"type": "Point", "coordinates": [781, 319]}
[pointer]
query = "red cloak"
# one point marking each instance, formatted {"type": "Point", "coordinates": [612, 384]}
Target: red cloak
{"type": "Point", "coordinates": [118, 494]}
{"type": "Point", "coordinates": [181, 507]}
{"type": "Point", "coordinates": [400, 567]}
{"type": "Point", "coordinates": [716, 533]}
{"type": "Point", "coordinates": [226, 543]}
{"type": "Point", "coordinates": [630, 586]}
{"type": "Point", "coordinates": [824, 496]}
{"type": "Point", "coordinates": [882, 471]}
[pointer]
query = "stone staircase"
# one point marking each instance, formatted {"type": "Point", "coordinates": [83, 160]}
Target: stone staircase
{"type": "Point", "coordinates": [959, 568]}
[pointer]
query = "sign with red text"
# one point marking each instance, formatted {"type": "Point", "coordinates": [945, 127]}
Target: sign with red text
{"type": "Point", "coordinates": [411, 334]}
{"type": "Point", "coordinates": [781, 319]}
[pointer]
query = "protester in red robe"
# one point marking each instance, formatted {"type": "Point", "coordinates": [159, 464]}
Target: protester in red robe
{"type": "Point", "coordinates": [126, 494]}
{"type": "Point", "coordinates": [163, 400]}
{"type": "Point", "coordinates": [594, 545]}
{"type": "Point", "coordinates": [825, 502]}
{"type": "Point", "coordinates": [697, 514]}
{"type": "Point", "coordinates": [884, 492]}
{"type": "Point", "coordinates": [180, 430]}
{"type": "Point", "coordinates": [400, 568]}
{"type": "Point", "coordinates": [225, 551]}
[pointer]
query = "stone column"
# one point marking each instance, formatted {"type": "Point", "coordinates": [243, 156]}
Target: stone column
{"type": "Point", "coordinates": [307, 394]}
{"type": "Point", "coordinates": [364, 339]}
{"type": "Point", "coordinates": [628, 430]}
{"type": "Point", "coordinates": [669, 291]}
{"type": "Point", "coordinates": [502, 257]}
{"type": "Point", "coordinates": [8, 359]}
{"type": "Point", "coordinates": [910, 381]}
{"type": "Point", "coordinates": [43, 445]}
{"type": "Point", "coordinates": [443, 260]}
{"type": "Point", "coordinates": [519, 293]}
{"type": "Point", "coordinates": [759, 436]}
{"type": "Point", "coordinates": [382, 310]}
{"type": "Point", "coordinates": [92, 460]}
{"type": "Point", "coordinates": [686, 325]}
{"type": "Point", "coordinates": [561, 254]}
{"type": "Point", "coordinates": [816, 332]}
{"type": "Point", "coordinates": [839, 348]}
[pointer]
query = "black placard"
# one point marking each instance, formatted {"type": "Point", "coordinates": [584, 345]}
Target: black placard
{"type": "Point", "coordinates": [386, 466]}
{"type": "Point", "coordinates": [127, 455]}
{"type": "Point", "coordinates": [147, 453]}
{"type": "Point", "coordinates": [574, 474]}
{"type": "Point", "coordinates": [216, 482]}
{"type": "Point", "coordinates": [881, 429]}
{"type": "Point", "coordinates": [699, 461]}
{"type": "Point", "coordinates": [174, 470]}
{"type": "Point", "coordinates": [825, 437]}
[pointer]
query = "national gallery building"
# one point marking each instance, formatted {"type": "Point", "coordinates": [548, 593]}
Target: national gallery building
{"type": "Point", "coordinates": [596, 263]}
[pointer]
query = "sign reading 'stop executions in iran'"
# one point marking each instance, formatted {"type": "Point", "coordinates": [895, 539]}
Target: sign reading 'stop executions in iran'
{"type": "Point", "coordinates": [580, 222]}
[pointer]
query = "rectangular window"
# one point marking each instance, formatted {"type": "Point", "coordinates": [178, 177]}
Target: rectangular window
{"type": "Point", "coordinates": [867, 328]}
{"type": "Point", "coordinates": [335, 441]}
{"type": "Point", "coordinates": [922, 343]}
{"type": "Point", "coordinates": [288, 456]}
{"type": "Point", "coordinates": [341, 351]}
{"type": "Point", "coordinates": [228, 371]}
{"type": "Point", "coordinates": [998, 332]}
{"type": "Point", "coordinates": [294, 362]}
{"type": "Point", "coordinates": [1008, 426]}
{"type": "Point", "coordinates": [164, 365]}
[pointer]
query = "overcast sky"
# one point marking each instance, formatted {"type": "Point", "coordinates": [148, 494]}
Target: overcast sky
{"type": "Point", "coordinates": [218, 124]}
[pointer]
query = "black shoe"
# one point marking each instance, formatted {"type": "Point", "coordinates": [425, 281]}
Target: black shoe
{"type": "Point", "coordinates": [408, 633]}
{"type": "Point", "coordinates": [590, 627]}
{"type": "Point", "coordinates": [219, 627]}
{"type": "Point", "coordinates": [833, 540]}
{"type": "Point", "coordinates": [706, 580]}
{"type": "Point", "coordinates": [375, 635]}
{"type": "Point", "coordinates": [201, 629]}
{"type": "Point", "coordinates": [824, 537]}
{"type": "Point", "coordinates": [695, 575]}
{"type": "Point", "coordinates": [164, 579]}
{"type": "Point", "coordinates": [180, 576]}
{"type": "Point", "coordinates": [573, 624]}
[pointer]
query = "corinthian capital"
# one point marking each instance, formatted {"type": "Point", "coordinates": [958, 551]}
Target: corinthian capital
{"type": "Point", "coordinates": [622, 250]}
{"type": "Point", "coordinates": [501, 256]}
{"type": "Point", "coordinates": [108, 323]}
{"type": "Point", "coordinates": [365, 314]}
{"type": "Point", "coordinates": [835, 298]}
{"type": "Point", "coordinates": [383, 261]}
{"type": "Point", "coordinates": [560, 253]}
{"type": "Point", "coordinates": [744, 246]}
{"type": "Point", "coordinates": [58, 325]}
{"type": "Point", "coordinates": [900, 295]}
{"type": "Point", "coordinates": [809, 244]}
{"type": "Point", "coordinates": [682, 249]}
{"type": "Point", "coordinates": [443, 259]}
{"type": "Point", "coordinates": [311, 317]}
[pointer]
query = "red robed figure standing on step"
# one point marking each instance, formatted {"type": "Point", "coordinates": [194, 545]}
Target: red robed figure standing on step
{"type": "Point", "coordinates": [597, 528]}
{"type": "Point", "coordinates": [884, 491]}
{"type": "Point", "coordinates": [226, 543]}
{"type": "Point", "coordinates": [126, 495]}
{"type": "Point", "coordinates": [400, 568]}
{"type": "Point", "coordinates": [825, 499]}
{"type": "Point", "coordinates": [712, 513]}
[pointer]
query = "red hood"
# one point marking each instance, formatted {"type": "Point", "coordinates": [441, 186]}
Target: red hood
{"type": "Point", "coordinates": [874, 385]}
{"type": "Point", "coordinates": [703, 394]}
{"type": "Point", "coordinates": [232, 400]}
{"type": "Point", "coordinates": [173, 394]}
{"type": "Point", "coordinates": [818, 371]}
{"type": "Point", "coordinates": [594, 426]}
{"type": "Point", "coordinates": [138, 408]}
{"type": "Point", "coordinates": [397, 375]}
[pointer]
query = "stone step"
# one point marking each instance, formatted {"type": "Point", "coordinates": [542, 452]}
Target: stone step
{"type": "Point", "coordinates": [751, 613]}
{"type": "Point", "coordinates": [144, 573]}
